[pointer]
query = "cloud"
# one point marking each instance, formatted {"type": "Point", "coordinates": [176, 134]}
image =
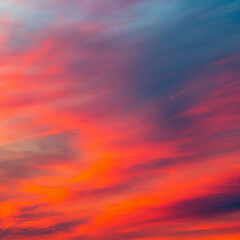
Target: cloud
{"type": "Point", "coordinates": [26, 159]}
{"type": "Point", "coordinates": [41, 232]}
{"type": "Point", "coordinates": [223, 199]}
{"type": "Point", "coordinates": [119, 119]}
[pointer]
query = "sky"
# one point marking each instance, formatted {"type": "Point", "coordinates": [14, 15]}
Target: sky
{"type": "Point", "coordinates": [119, 119]}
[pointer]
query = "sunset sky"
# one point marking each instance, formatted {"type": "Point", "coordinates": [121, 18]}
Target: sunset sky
{"type": "Point", "coordinates": [119, 119]}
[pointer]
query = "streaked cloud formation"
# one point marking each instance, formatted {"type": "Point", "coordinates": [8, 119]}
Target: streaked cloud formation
{"type": "Point", "coordinates": [119, 119]}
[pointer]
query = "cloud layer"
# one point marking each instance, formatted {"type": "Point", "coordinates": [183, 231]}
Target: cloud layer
{"type": "Point", "coordinates": [119, 119]}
